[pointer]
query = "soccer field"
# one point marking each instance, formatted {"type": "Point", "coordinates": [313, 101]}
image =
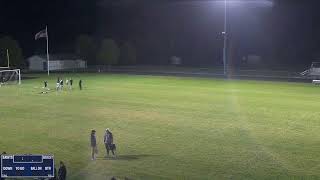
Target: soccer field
{"type": "Point", "coordinates": [168, 127]}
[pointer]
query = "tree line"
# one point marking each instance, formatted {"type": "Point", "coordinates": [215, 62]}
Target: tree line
{"type": "Point", "coordinates": [106, 52]}
{"type": "Point", "coordinates": [15, 52]}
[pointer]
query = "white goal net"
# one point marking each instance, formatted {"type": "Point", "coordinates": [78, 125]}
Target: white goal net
{"type": "Point", "coordinates": [10, 76]}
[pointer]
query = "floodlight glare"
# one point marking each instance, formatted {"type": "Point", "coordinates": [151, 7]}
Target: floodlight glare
{"type": "Point", "coordinates": [249, 3]}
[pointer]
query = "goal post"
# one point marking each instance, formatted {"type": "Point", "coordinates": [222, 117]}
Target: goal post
{"type": "Point", "coordinates": [10, 76]}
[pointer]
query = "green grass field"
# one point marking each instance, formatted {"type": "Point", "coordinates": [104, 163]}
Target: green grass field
{"type": "Point", "coordinates": [168, 127]}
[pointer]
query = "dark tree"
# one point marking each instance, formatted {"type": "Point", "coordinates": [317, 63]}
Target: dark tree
{"type": "Point", "coordinates": [108, 53]}
{"type": "Point", "coordinates": [15, 52]}
{"type": "Point", "coordinates": [128, 54]}
{"type": "Point", "coordinates": [85, 48]}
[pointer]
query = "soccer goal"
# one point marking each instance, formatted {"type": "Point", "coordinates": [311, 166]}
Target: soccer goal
{"type": "Point", "coordinates": [10, 76]}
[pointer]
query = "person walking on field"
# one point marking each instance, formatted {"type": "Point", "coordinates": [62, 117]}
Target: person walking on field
{"type": "Point", "coordinates": [61, 84]}
{"type": "Point", "coordinates": [45, 84]}
{"type": "Point", "coordinates": [71, 82]}
{"type": "Point", "coordinates": [93, 140]}
{"type": "Point", "coordinates": [80, 84]}
{"type": "Point", "coordinates": [62, 173]}
{"type": "Point", "coordinates": [108, 142]}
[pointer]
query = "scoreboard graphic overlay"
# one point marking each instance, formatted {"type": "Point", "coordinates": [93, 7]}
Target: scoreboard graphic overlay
{"type": "Point", "coordinates": [27, 166]}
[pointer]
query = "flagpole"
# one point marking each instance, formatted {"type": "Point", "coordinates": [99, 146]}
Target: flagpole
{"type": "Point", "coordinates": [48, 59]}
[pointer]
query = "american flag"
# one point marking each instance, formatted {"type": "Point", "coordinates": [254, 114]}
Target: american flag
{"type": "Point", "coordinates": [41, 34]}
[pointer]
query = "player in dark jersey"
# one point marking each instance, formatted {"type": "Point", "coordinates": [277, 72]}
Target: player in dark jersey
{"type": "Point", "coordinates": [93, 142]}
{"type": "Point", "coordinates": [62, 173]}
{"type": "Point", "coordinates": [61, 84]}
{"type": "Point", "coordinates": [80, 84]}
{"type": "Point", "coordinates": [71, 82]}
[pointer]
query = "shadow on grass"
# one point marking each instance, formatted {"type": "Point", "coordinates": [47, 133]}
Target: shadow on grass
{"type": "Point", "coordinates": [126, 157]}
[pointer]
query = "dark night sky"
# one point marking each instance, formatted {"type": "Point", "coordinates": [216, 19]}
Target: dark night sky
{"type": "Point", "coordinates": [287, 33]}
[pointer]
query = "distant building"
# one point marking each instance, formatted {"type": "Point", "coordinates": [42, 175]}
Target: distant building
{"type": "Point", "coordinates": [57, 62]}
{"type": "Point", "coordinates": [175, 60]}
{"type": "Point", "coordinates": [252, 60]}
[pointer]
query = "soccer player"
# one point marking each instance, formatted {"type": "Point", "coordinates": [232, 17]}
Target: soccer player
{"type": "Point", "coordinates": [62, 173]}
{"type": "Point", "coordinates": [108, 141]}
{"type": "Point", "coordinates": [58, 86]}
{"type": "Point", "coordinates": [71, 82]}
{"type": "Point", "coordinates": [61, 84]}
{"type": "Point", "coordinates": [93, 142]}
{"type": "Point", "coordinates": [3, 80]}
{"type": "Point", "coordinates": [45, 84]}
{"type": "Point", "coordinates": [80, 84]}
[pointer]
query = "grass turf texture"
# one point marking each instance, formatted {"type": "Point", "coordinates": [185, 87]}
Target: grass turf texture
{"type": "Point", "coordinates": [168, 127]}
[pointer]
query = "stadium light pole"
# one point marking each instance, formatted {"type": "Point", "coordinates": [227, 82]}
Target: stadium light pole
{"type": "Point", "coordinates": [256, 3]}
{"type": "Point", "coordinates": [225, 39]}
{"type": "Point", "coordinates": [263, 3]}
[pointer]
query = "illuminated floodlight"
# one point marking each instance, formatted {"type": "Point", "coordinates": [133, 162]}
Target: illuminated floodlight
{"type": "Point", "coordinates": [231, 3]}
{"type": "Point", "coordinates": [251, 3]}
{"type": "Point", "coordinates": [228, 4]}
{"type": "Point", "coordinates": [247, 3]}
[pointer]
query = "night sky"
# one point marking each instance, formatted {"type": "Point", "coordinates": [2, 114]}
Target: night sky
{"type": "Point", "coordinates": [286, 33]}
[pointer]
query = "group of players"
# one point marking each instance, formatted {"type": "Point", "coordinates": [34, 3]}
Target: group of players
{"type": "Point", "coordinates": [60, 84]}
{"type": "Point", "coordinates": [69, 83]}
